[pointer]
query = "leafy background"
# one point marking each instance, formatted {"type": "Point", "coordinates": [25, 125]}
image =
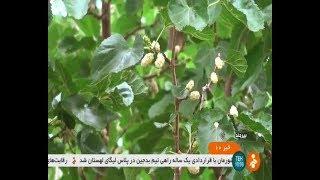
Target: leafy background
{"type": "Point", "coordinates": [100, 100]}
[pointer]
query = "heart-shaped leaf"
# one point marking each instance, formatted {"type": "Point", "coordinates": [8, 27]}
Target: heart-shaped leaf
{"type": "Point", "coordinates": [197, 14]}
{"type": "Point", "coordinates": [114, 54]}
{"type": "Point", "coordinates": [93, 114]}
{"type": "Point", "coordinates": [237, 62]}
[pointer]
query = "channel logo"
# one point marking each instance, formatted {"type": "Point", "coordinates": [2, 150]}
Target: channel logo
{"type": "Point", "coordinates": [253, 161]}
{"type": "Point", "coordinates": [239, 160]}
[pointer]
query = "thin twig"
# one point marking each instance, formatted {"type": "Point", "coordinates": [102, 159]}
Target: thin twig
{"type": "Point", "coordinates": [190, 147]}
{"type": "Point", "coordinates": [156, 74]}
{"type": "Point", "coordinates": [126, 36]}
{"type": "Point", "coordinates": [133, 31]}
{"type": "Point", "coordinates": [163, 70]}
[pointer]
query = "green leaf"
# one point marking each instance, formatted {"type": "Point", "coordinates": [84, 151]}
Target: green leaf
{"type": "Point", "coordinates": [207, 174]}
{"type": "Point", "coordinates": [150, 13]}
{"type": "Point", "coordinates": [261, 100]}
{"type": "Point", "coordinates": [67, 119]}
{"type": "Point", "coordinates": [187, 107]}
{"type": "Point", "coordinates": [165, 19]}
{"type": "Point", "coordinates": [234, 12]}
{"type": "Point", "coordinates": [93, 114]}
{"type": "Point", "coordinates": [109, 82]}
{"type": "Point", "coordinates": [226, 22]}
{"type": "Point", "coordinates": [188, 13]}
{"type": "Point", "coordinates": [265, 120]}
{"type": "Point", "coordinates": [51, 172]}
{"type": "Point", "coordinates": [269, 103]}
{"type": "Point", "coordinates": [254, 59]}
{"type": "Point", "coordinates": [213, 10]}
{"type": "Point", "coordinates": [204, 61]}
{"type": "Point", "coordinates": [237, 62]}
{"type": "Point", "coordinates": [160, 107]}
{"type": "Point", "coordinates": [125, 24]}
{"type": "Point", "coordinates": [68, 44]}
{"type": "Point", "coordinates": [265, 170]}
{"type": "Point", "coordinates": [251, 145]}
{"type": "Point", "coordinates": [166, 173]}
{"type": "Point", "coordinates": [206, 34]}
{"type": "Point", "coordinates": [65, 77]}
{"type": "Point", "coordinates": [268, 14]}
{"type": "Point", "coordinates": [255, 17]}
{"type": "Point", "coordinates": [197, 14]}
{"type": "Point", "coordinates": [188, 127]}
{"type": "Point", "coordinates": [70, 173]}
{"type": "Point", "coordinates": [76, 8]}
{"type": "Point", "coordinates": [263, 3]}
{"type": "Point", "coordinates": [133, 6]}
{"type": "Point", "coordinates": [136, 82]}
{"type": "Point", "coordinates": [255, 126]}
{"type": "Point", "coordinates": [160, 2]}
{"type": "Point", "coordinates": [114, 55]}
{"type": "Point", "coordinates": [131, 173]}
{"type": "Point", "coordinates": [55, 147]}
{"type": "Point", "coordinates": [238, 38]}
{"type": "Point", "coordinates": [235, 175]}
{"type": "Point", "coordinates": [126, 92]}
{"type": "Point", "coordinates": [90, 142]}
{"type": "Point", "coordinates": [142, 137]}
{"type": "Point", "coordinates": [207, 132]}
{"type": "Point", "coordinates": [179, 92]}
{"type": "Point", "coordinates": [114, 173]}
{"type": "Point", "coordinates": [89, 26]}
{"type": "Point", "coordinates": [143, 176]}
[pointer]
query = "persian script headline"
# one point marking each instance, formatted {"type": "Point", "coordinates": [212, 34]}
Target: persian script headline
{"type": "Point", "coordinates": [139, 160]}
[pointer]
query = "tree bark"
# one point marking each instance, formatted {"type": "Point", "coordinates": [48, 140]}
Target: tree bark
{"type": "Point", "coordinates": [105, 19]}
{"type": "Point", "coordinates": [175, 36]}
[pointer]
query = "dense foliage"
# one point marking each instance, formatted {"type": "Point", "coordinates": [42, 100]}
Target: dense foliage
{"type": "Point", "coordinates": [103, 99]}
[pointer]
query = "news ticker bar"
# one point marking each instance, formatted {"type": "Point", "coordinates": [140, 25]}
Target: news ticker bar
{"type": "Point", "coordinates": [139, 160]}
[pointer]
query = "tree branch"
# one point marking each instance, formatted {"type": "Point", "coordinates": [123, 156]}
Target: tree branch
{"type": "Point", "coordinates": [228, 85]}
{"type": "Point", "coordinates": [176, 133]}
{"type": "Point", "coordinates": [105, 19]}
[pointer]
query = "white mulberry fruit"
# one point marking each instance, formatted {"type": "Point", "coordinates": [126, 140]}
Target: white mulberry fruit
{"type": "Point", "coordinates": [194, 95]}
{"type": "Point", "coordinates": [147, 59]}
{"type": "Point", "coordinates": [159, 61]}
